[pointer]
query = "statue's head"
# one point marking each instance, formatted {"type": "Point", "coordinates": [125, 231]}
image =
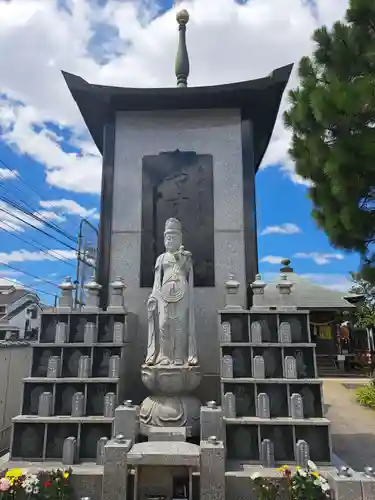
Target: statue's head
{"type": "Point", "coordinates": [172, 235]}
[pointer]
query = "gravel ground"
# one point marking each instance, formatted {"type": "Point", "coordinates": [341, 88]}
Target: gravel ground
{"type": "Point", "coordinates": [352, 426]}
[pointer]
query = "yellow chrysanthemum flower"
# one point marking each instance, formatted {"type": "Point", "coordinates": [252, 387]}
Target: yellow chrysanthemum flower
{"type": "Point", "coordinates": [315, 474]}
{"type": "Point", "coordinates": [66, 475]}
{"type": "Point", "coordinates": [14, 473]}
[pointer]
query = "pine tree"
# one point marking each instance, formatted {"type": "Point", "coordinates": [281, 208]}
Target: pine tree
{"type": "Point", "coordinates": [332, 118]}
{"type": "Point", "coordinates": [365, 313]}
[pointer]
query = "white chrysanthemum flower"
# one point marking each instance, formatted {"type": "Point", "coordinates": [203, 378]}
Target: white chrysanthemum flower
{"type": "Point", "coordinates": [311, 465]}
{"type": "Point", "coordinates": [29, 488]}
{"type": "Point", "coordinates": [36, 490]}
{"type": "Point", "coordinates": [256, 475]}
{"type": "Point", "coordinates": [325, 487]}
{"type": "Point", "coordinates": [302, 472]}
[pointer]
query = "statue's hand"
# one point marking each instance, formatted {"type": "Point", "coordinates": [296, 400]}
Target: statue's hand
{"type": "Point", "coordinates": [151, 304]}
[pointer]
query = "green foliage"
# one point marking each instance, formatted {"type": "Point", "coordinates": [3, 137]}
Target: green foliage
{"type": "Point", "coordinates": [365, 313]}
{"type": "Point", "coordinates": [366, 395]}
{"type": "Point", "coordinates": [332, 117]}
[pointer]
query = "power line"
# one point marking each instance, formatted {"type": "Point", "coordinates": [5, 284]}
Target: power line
{"type": "Point", "coordinates": [38, 246]}
{"type": "Point", "coordinates": [19, 177]}
{"type": "Point", "coordinates": [36, 215]}
{"type": "Point", "coordinates": [29, 274]}
{"type": "Point", "coordinates": [38, 229]}
{"type": "Point", "coordinates": [27, 287]}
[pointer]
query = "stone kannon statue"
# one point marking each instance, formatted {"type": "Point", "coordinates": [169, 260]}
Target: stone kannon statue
{"type": "Point", "coordinates": [171, 326]}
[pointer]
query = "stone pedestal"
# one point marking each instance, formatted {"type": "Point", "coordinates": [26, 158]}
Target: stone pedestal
{"type": "Point", "coordinates": [171, 404]}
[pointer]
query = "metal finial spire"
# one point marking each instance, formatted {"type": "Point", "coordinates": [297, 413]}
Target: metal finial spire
{"type": "Point", "coordinates": [182, 58]}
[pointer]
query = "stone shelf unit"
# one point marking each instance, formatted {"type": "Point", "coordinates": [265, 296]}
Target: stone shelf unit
{"type": "Point", "coordinates": [272, 401]}
{"type": "Point", "coordinates": [76, 381]}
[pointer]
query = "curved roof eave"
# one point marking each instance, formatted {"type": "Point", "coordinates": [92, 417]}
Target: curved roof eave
{"type": "Point", "coordinates": [258, 100]}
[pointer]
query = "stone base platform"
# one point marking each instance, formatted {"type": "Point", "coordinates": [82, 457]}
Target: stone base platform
{"type": "Point", "coordinates": [87, 479]}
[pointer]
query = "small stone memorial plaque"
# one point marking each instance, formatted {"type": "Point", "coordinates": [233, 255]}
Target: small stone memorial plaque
{"type": "Point", "coordinates": [302, 453]}
{"type": "Point", "coordinates": [100, 450]}
{"type": "Point", "coordinates": [296, 406]}
{"type": "Point", "coordinates": [45, 404]}
{"type": "Point", "coordinates": [69, 451]}
{"type": "Point", "coordinates": [118, 332]}
{"type": "Point", "coordinates": [61, 333]}
{"type": "Point", "coordinates": [90, 333]}
{"type": "Point", "coordinates": [84, 367]}
{"type": "Point", "coordinates": [256, 332]}
{"type": "Point", "coordinates": [229, 405]}
{"type": "Point", "coordinates": [267, 453]}
{"type": "Point", "coordinates": [290, 369]}
{"type": "Point", "coordinates": [114, 366]}
{"type": "Point", "coordinates": [54, 367]}
{"type": "Point", "coordinates": [78, 404]}
{"type": "Point", "coordinates": [226, 334]}
{"type": "Point", "coordinates": [263, 405]}
{"type": "Point", "coordinates": [109, 404]}
{"type": "Point", "coordinates": [227, 366]}
{"type": "Point", "coordinates": [258, 367]}
{"type": "Point", "coordinates": [285, 333]}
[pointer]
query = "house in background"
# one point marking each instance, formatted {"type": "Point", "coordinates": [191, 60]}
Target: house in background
{"type": "Point", "coordinates": [20, 311]}
{"type": "Point", "coordinates": [328, 310]}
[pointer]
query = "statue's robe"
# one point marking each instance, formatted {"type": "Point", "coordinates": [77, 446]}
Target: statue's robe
{"type": "Point", "coordinates": [171, 336]}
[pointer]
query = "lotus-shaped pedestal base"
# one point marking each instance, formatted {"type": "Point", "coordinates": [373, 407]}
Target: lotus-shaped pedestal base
{"type": "Point", "coordinates": [171, 405]}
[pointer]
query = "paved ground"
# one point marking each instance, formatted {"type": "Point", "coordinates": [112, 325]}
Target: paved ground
{"type": "Point", "coordinates": [352, 426]}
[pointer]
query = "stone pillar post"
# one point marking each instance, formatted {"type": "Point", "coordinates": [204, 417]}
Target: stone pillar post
{"type": "Point", "coordinates": [92, 297]}
{"type": "Point", "coordinates": [65, 304]}
{"type": "Point", "coordinates": [126, 421]}
{"type": "Point", "coordinates": [212, 469]}
{"type": "Point", "coordinates": [115, 472]}
{"type": "Point", "coordinates": [285, 289]}
{"type": "Point", "coordinates": [212, 421]}
{"type": "Point", "coordinates": [232, 299]}
{"type": "Point", "coordinates": [116, 298]}
{"type": "Point", "coordinates": [258, 287]}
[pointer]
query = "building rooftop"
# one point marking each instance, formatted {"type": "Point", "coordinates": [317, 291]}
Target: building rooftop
{"type": "Point", "coordinates": [305, 294]}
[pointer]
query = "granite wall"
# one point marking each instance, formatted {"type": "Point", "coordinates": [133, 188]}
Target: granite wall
{"type": "Point", "coordinates": [215, 132]}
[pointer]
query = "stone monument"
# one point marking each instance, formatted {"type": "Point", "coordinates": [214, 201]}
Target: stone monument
{"type": "Point", "coordinates": [176, 162]}
{"type": "Point", "coordinates": [191, 154]}
{"type": "Point", "coordinates": [171, 368]}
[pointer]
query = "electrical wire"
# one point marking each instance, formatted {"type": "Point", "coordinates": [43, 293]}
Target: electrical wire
{"type": "Point", "coordinates": [37, 245]}
{"type": "Point", "coordinates": [36, 215]}
{"type": "Point", "coordinates": [27, 287]}
{"type": "Point", "coordinates": [28, 274]}
{"type": "Point", "coordinates": [16, 174]}
{"type": "Point", "coordinates": [38, 229]}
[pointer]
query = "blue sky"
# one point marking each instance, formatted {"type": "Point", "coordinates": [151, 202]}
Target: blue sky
{"type": "Point", "coordinates": [44, 140]}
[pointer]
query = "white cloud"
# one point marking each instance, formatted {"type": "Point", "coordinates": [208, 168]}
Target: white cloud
{"type": "Point", "coordinates": [50, 216]}
{"type": "Point", "coordinates": [27, 256]}
{"type": "Point", "coordinates": [319, 258]}
{"type": "Point", "coordinates": [9, 273]}
{"type": "Point", "coordinates": [287, 228]}
{"type": "Point", "coordinates": [38, 39]}
{"type": "Point", "coordinates": [272, 259]}
{"type": "Point", "coordinates": [6, 174]}
{"type": "Point", "coordinates": [70, 207]}
{"type": "Point", "coordinates": [13, 220]}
